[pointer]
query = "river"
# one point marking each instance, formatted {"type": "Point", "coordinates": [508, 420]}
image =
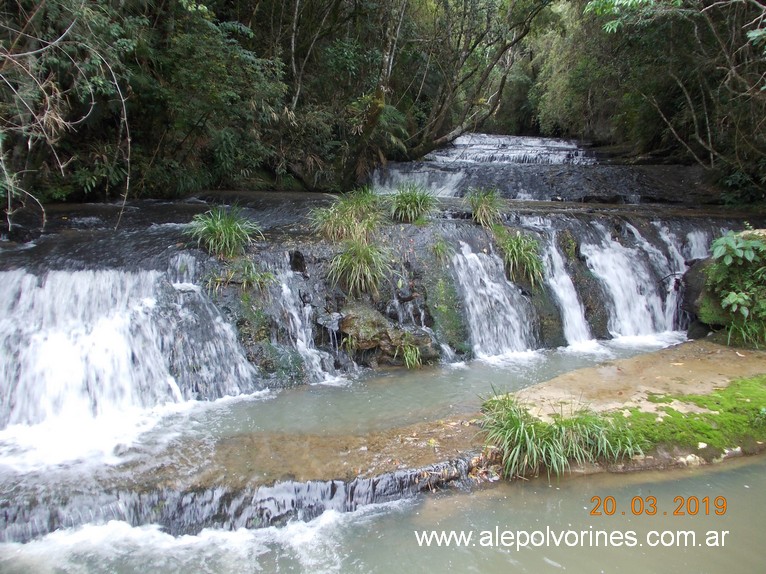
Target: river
{"type": "Point", "coordinates": [137, 435]}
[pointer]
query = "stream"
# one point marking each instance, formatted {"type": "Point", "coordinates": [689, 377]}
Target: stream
{"type": "Point", "coordinates": [137, 432]}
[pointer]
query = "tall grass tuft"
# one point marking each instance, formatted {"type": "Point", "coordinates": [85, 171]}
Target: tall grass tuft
{"type": "Point", "coordinates": [223, 232]}
{"type": "Point", "coordinates": [360, 268]}
{"type": "Point", "coordinates": [411, 203]}
{"type": "Point", "coordinates": [355, 215]}
{"type": "Point", "coordinates": [521, 254]}
{"type": "Point", "coordinates": [529, 445]}
{"type": "Point", "coordinates": [486, 206]}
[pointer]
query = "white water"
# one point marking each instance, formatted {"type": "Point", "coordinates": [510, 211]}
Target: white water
{"type": "Point", "coordinates": [485, 148]}
{"type": "Point", "coordinates": [499, 317]}
{"type": "Point", "coordinates": [86, 355]}
{"type": "Point", "coordinates": [697, 244]}
{"type": "Point", "coordinates": [368, 539]}
{"type": "Point", "coordinates": [637, 309]}
{"type": "Point", "coordinates": [298, 317]}
{"type": "Point", "coordinates": [576, 328]}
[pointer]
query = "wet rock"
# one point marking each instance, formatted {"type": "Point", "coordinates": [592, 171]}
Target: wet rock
{"type": "Point", "coordinates": [367, 329]}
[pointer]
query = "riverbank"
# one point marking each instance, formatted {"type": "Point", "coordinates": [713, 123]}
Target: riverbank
{"type": "Point", "coordinates": [643, 383]}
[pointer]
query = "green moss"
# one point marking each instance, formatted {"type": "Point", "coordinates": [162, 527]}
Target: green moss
{"type": "Point", "coordinates": [444, 305]}
{"type": "Point", "coordinates": [285, 364]}
{"type": "Point", "coordinates": [569, 245]}
{"type": "Point", "coordinates": [710, 311]}
{"type": "Point", "coordinates": [736, 416]}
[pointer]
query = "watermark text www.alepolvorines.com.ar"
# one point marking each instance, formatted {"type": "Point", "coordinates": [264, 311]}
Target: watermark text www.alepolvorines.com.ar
{"type": "Point", "coordinates": [590, 538]}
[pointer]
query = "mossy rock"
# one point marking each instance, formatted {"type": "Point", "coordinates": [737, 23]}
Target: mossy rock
{"type": "Point", "coordinates": [369, 330]}
{"type": "Point", "coordinates": [709, 311]}
{"type": "Point", "coordinates": [366, 326]}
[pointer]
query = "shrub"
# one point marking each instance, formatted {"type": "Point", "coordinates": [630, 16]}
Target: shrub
{"type": "Point", "coordinates": [360, 268]}
{"type": "Point", "coordinates": [355, 215]}
{"type": "Point", "coordinates": [528, 445]}
{"type": "Point", "coordinates": [486, 206]}
{"type": "Point", "coordinates": [737, 277]}
{"type": "Point", "coordinates": [521, 254]}
{"type": "Point", "coordinates": [223, 232]}
{"type": "Point", "coordinates": [411, 203]}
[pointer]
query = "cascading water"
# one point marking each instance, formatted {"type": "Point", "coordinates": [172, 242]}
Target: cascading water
{"type": "Point", "coordinates": [576, 330]}
{"type": "Point", "coordinates": [499, 316]}
{"type": "Point", "coordinates": [296, 311]}
{"type": "Point", "coordinates": [82, 347]}
{"type": "Point", "coordinates": [507, 163]}
{"type": "Point", "coordinates": [637, 306]}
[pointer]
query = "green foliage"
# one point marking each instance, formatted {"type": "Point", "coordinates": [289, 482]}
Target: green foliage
{"type": "Point", "coordinates": [355, 215]}
{"type": "Point", "coordinates": [737, 278]}
{"type": "Point", "coordinates": [224, 232]}
{"type": "Point", "coordinates": [442, 250]}
{"type": "Point", "coordinates": [521, 254]}
{"type": "Point", "coordinates": [486, 206]}
{"type": "Point", "coordinates": [528, 444]}
{"type": "Point", "coordinates": [410, 355]}
{"type": "Point", "coordinates": [360, 267]}
{"type": "Point", "coordinates": [251, 277]}
{"type": "Point", "coordinates": [411, 203]}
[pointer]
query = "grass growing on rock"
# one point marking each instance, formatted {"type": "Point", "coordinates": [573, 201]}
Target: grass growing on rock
{"type": "Point", "coordinates": [223, 232]}
{"type": "Point", "coordinates": [521, 255]}
{"type": "Point", "coordinates": [730, 417]}
{"type": "Point", "coordinates": [529, 445]}
{"type": "Point", "coordinates": [360, 267]}
{"type": "Point", "coordinates": [486, 206]}
{"type": "Point", "coordinates": [355, 215]}
{"type": "Point", "coordinates": [411, 203]}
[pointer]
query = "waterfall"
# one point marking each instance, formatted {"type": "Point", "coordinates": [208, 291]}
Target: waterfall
{"type": "Point", "coordinates": [636, 307]}
{"type": "Point", "coordinates": [87, 350]}
{"type": "Point", "coordinates": [576, 328]}
{"type": "Point", "coordinates": [697, 244]}
{"type": "Point", "coordinates": [485, 148]}
{"type": "Point", "coordinates": [499, 317]}
{"type": "Point", "coordinates": [479, 160]}
{"type": "Point", "coordinates": [297, 314]}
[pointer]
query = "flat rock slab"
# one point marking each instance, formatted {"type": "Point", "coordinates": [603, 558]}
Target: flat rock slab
{"type": "Point", "coordinates": [694, 367]}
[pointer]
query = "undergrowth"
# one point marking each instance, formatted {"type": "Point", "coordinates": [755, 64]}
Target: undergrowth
{"type": "Point", "coordinates": [521, 255]}
{"type": "Point", "coordinates": [223, 232]}
{"type": "Point", "coordinates": [411, 203]}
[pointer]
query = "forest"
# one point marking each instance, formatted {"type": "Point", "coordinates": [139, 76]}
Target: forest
{"type": "Point", "coordinates": [102, 99]}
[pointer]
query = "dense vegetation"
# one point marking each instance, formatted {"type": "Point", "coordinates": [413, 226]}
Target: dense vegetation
{"type": "Point", "coordinates": [162, 98]}
{"type": "Point", "coordinates": [737, 278]}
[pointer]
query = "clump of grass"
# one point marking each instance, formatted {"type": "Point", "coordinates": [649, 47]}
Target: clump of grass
{"type": "Point", "coordinates": [442, 250]}
{"type": "Point", "coordinates": [356, 215]}
{"type": "Point", "coordinates": [252, 277]}
{"type": "Point", "coordinates": [223, 232]}
{"type": "Point", "coordinates": [360, 267]}
{"type": "Point", "coordinates": [411, 203]}
{"type": "Point", "coordinates": [521, 254]}
{"type": "Point", "coordinates": [410, 355]}
{"type": "Point", "coordinates": [529, 445]}
{"type": "Point", "coordinates": [486, 206]}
